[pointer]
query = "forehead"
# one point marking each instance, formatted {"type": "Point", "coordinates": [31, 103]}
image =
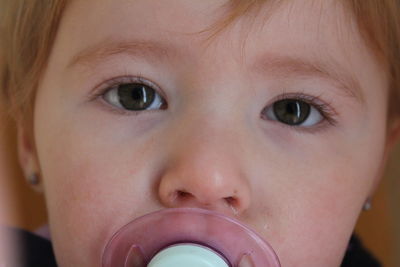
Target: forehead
{"type": "Point", "coordinates": [321, 33]}
{"type": "Point", "coordinates": [322, 20]}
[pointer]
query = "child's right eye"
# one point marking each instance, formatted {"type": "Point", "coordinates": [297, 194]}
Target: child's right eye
{"type": "Point", "coordinates": [135, 96]}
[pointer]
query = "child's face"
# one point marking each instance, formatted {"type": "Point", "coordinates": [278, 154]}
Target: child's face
{"type": "Point", "coordinates": [211, 130]}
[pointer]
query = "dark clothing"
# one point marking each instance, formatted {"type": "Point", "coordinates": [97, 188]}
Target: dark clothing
{"type": "Point", "coordinates": [36, 251]}
{"type": "Point", "coordinates": [357, 256]}
{"type": "Point", "coordinates": [33, 250]}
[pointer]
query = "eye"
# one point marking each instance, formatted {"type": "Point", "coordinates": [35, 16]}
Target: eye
{"type": "Point", "coordinates": [134, 96]}
{"type": "Point", "coordinates": [294, 112]}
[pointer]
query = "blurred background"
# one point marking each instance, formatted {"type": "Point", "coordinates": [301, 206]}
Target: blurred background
{"type": "Point", "coordinates": [21, 207]}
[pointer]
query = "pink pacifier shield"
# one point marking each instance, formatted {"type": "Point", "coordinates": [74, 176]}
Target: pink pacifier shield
{"type": "Point", "coordinates": [136, 243]}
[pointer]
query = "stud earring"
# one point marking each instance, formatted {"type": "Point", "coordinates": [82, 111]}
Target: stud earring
{"type": "Point", "coordinates": [367, 205]}
{"type": "Point", "coordinates": [33, 178]}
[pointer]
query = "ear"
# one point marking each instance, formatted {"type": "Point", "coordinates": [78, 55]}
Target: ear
{"type": "Point", "coordinates": [27, 155]}
{"type": "Point", "coordinates": [392, 138]}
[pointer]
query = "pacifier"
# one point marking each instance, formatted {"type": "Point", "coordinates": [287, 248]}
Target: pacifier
{"type": "Point", "coordinates": [187, 237]}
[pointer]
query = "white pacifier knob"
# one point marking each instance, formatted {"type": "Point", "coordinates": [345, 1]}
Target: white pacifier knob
{"type": "Point", "coordinates": [188, 254]}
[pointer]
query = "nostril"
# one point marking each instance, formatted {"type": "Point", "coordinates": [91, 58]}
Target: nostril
{"type": "Point", "coordinates": [182, 194]}
{"type": "Point", "coordinates": [231, 201]}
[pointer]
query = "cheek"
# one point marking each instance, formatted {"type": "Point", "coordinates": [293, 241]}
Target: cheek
{"type": "Point", "coordinates": [312, 194]}
{"type": "Point", "coordinates": [90, 186]}
{"type": "Point", "coordinates": [319, 215]}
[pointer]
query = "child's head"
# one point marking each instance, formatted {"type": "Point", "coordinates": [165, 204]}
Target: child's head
{"type": "Point", "coordinates": [279, 120]}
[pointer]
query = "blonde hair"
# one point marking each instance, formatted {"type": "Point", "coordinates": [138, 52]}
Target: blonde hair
{"type": "Point", "coordinates": [28, 29]}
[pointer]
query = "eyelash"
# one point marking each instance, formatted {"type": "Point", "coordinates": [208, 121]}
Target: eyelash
{"type": "Point", "coordinates": [327, 112]}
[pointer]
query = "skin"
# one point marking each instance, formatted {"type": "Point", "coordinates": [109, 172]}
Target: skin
{"type": "Point", "coordinates": [301, 188]}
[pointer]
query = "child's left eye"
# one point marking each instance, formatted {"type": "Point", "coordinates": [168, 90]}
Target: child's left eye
{"type": "Point", "coordinates": [294, 112]}
{"type": "Point", "coordinates": [298, 110]}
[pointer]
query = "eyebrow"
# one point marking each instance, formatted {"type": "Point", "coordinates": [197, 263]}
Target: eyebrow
{"type": "Point", "coordinates": [270, 64]}
{"type": "Point", "coordinates": [283, 66]}
{"type": "Point", "coordinates": [151, 50]}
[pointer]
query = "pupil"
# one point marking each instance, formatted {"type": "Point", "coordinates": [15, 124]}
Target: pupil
{"type": "Point", "coordinates": [292, 112]}
{"type": "Point", "coordinates": [135, 96]}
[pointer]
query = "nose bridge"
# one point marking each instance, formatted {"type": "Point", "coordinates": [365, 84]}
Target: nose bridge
{"type": "Point", "coordinates": [204, 168]}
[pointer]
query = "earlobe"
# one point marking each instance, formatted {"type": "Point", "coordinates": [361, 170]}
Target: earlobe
{"type": "Point", "coordinates": [27, 156]}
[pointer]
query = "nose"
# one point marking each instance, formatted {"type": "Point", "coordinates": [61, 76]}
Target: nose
{"type": "Point", "coordinates": [205, 172]}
